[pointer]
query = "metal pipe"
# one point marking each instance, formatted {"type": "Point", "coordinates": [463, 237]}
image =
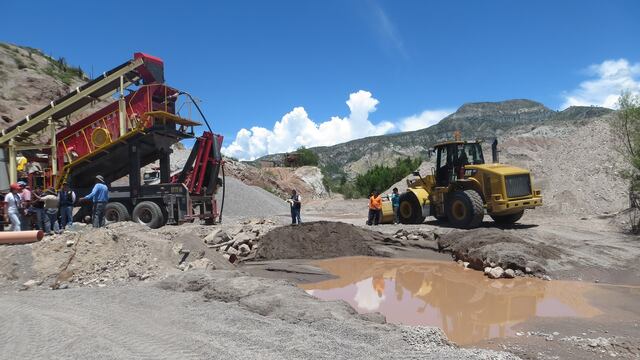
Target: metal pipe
{"type": "Point", "coordinates": [20, 237]}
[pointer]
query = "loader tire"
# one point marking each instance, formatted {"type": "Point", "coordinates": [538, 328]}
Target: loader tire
{"type": "Point", "coordinates": [115, 211]}
{"type": "Point", "coordinates": [465, 209]}
{"type": "Point", "coordinates": [507, 219]}
{"type": "Point", "coordinates": [409, 211]}
{"type": "Point", "coordinates": [148, 213]}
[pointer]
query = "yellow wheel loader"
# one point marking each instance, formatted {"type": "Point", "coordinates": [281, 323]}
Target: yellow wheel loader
{"type": "Point", "coordinates": [461, 189]}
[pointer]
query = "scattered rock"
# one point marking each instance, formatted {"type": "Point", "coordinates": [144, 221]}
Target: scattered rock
{"type": "Point", "coordinates": [30, 284]}
{"type": "Point", "coordinates": [496, 272]}
{"type": "Point", "coordinates": [145, 276]}
{"type": "Point", "coordinates": [217, 237]}
{"type": "Point", "coordinates": [509, 274]}
{"type": "Point", "coordinates": [70, 243]}
{"type": "Point", "coordinates": [244, 249]}
{"type": "Point", "coordinates": [201, 264]}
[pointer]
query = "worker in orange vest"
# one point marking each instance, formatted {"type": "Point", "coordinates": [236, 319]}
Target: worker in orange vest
{"type": "Point", "coordinates": [375, 208]}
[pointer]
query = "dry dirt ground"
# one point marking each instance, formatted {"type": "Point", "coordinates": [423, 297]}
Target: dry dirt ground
{"type": "Point", "coordinates": [127, 291]}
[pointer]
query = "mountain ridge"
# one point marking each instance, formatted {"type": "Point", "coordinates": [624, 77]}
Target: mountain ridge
{"type": "Point", "coordinates": [476, 120]}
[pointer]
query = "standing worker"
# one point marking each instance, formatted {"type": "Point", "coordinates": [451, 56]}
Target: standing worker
{"type": "Point", "coordinates": [375, 208]}
{"type": "Point", "coordinates": [67, 199]}
{"type": "Point", "coordinates": [12, 200]}
{"type": "Point", "coordinates": [395, 203]}
{"type": "Point", "coordinates": [25, 201]}
{"type": "Point", "coordinates": [296, 203]}
{"type": "Point", "coordinates": [21, 164]}
{"type": "Point", "coordinates": [99, 196]}
{"type": "Point", "coordinates": [51, 204]}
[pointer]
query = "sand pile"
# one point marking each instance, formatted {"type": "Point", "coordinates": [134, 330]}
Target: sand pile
{"type": "Point", "coordinates": [319, 240]}
{"type": "Point", "coordinates": [242, 200]}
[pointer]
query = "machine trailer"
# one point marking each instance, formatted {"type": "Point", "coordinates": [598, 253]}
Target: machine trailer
{"type": "Point", "coordinates": [137, 129]}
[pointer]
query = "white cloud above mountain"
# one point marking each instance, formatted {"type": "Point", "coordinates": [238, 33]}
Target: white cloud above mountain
{"type": "Point", "coordinates": [297, 129]}
{"type": "Point", "coordinates": [423, 120]}
{"type": "Point", "coordinates": [608, 80]}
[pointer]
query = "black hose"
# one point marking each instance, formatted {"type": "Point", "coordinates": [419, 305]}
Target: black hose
{"type": "Point", "coordinates": [224, 188]}
{"type": "Point", "coordinates": [200, 111]}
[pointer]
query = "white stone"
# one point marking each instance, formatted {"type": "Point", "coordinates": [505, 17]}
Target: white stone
{"type": "Point", "coordinates": [496, 272]}
{"type": "Point", "coordinates": [244, 249]}
{"type": "Point", "coordinates": [509, 274]}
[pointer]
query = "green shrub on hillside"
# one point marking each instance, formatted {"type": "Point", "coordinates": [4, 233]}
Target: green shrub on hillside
{"type": "Point", "coordinates": [382, 177]}
{"type": "Point", "coordinates": [307, 157]}
{"type": "Point", "coordinates": [379, 178]}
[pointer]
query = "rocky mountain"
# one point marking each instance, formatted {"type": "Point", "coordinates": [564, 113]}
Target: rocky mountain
{"type": "Point", "coordinates": [483, 120]}
{"type": "Point", "coordinates": [29, 79]}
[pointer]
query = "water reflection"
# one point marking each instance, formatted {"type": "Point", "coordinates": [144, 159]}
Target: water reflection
{"type": "Point", "coordinates": [465, 304]}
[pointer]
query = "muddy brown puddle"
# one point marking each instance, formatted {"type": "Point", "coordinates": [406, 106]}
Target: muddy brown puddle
{"type": "Point", "coordinates": [464, 303]}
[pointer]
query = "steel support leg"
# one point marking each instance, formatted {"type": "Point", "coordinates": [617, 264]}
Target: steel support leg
{"type": "Point", "coordinates": [134, 172]}
{"type": "Point", "coordinates": [165, 169]}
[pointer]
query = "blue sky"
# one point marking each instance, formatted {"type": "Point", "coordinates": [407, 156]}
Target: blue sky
{"type": "Point", "coordinates": [283, 70]}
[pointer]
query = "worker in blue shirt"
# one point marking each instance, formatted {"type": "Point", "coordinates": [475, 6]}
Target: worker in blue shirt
{"type": "Point", "coordinates": [395, 203]}
{"type": "Point", "coordinates": [99, 196]}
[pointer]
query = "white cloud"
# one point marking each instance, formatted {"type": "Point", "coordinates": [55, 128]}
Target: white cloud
{"type": "Point", "coordinates": [387, 30]}
{"type": "Point", "coordinates": [366, 296]}
{"type": "Point", "coordinates": [611, 77]}
{"type": "Point", "coordinates": [423, 120]}
{"type": "Point", "coordinates": [296, 129]}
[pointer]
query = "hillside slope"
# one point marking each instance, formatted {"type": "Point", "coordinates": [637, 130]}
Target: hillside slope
{"type": "Point", "coordinates": [572, 162]}
{"type": "Point", "coordinates": [29, 79]}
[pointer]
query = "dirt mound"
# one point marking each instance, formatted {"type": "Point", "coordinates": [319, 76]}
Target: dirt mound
{"type": "Point", "coordinates": [119, 254]}
{"type": "Point", "coordinates": [319, 240]}
{"type": "Point", "coordinates": [490, 247]}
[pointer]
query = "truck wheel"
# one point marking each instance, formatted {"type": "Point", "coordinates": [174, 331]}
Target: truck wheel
{"type": "Point", "coordinates": [148, 213]}
{"type": "Point", "coordinates": [115, 211]}
{"type": "Point", "coordinates": [465, 209]}
{"type": "Point", "coordinates": [507, 219]}
{"type": "Point", "coordinates": [409, 211]}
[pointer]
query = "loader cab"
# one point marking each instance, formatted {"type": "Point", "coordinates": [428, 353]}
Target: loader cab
{"type": "Point", "coordinates": [452, 157]}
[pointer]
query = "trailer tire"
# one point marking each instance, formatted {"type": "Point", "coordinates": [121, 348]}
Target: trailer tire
{"type": "Point", "coordinates": [115, 212]}
{"type": "Point", "coordinates": [148, 213]}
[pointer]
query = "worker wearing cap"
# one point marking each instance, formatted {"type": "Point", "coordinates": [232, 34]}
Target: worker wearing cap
{"type": "Point", "coordinates": [12, 199]}
{"type": "Point", "coordinates": [99, 196]}
{"type": "Point", "coordinates": [51, 205]}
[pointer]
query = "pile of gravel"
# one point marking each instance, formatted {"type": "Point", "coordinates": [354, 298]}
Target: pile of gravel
{"type": "Point", "coordinates": [318, 240]}
{"type": "Point", "coordinates": [242, 200]}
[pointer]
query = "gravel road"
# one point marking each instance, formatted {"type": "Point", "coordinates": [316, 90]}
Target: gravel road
{"type": "Point", "coordinates": [273, 320]}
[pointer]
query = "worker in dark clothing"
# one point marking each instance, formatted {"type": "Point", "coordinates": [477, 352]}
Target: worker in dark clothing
{"type": "Point", "coordinates": [296, 204]}
{"type": "Point", "coordinates": [99, 196]}
{"type": "Point", "coordinates": [395, 203]}
{"type": "Point", "coordinates": [67, 199]}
